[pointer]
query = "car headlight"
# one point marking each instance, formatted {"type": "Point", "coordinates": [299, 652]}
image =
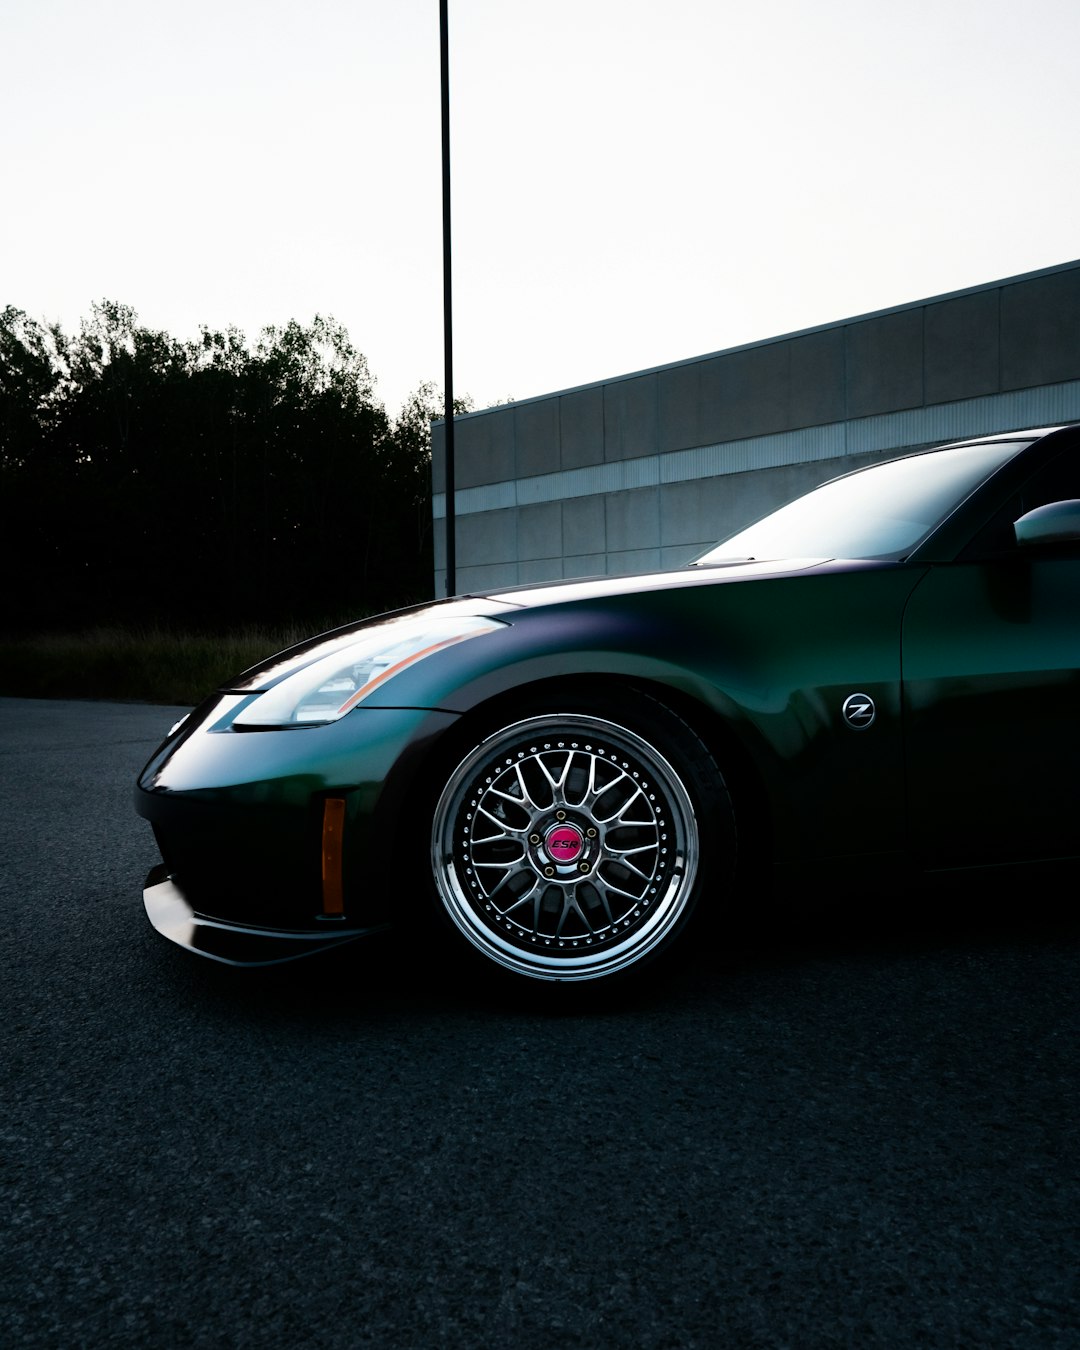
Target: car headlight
{"type": "Point", "coordinates": [332, 686]}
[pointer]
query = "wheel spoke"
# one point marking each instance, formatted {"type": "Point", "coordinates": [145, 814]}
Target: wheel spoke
{"type": "Point", "coordinates": [542, 766]}
{"type": "Point", "coordinates": [629, 852]}
{"type": "Point", "coordinates": [517, 884]}
{"type": "Point", "coordinates": [500, 825]}
{"type": "Point", "coordinates": [597, 885]}
{"type": "Point", "coordinates": [526, 795]}
{"type": "Point", "coordinates": [618, 890]}
{"type": "Point", "coordinates": [626, 807]}
{"type": "Point", "coordinates": [619, 811]}
{"type": "Point", "coordinates": [478, 840]}
{"type": "Point", "coordinates": [524, 899]}
{"type": "Point", "coordinates": [571, 906]}
{"type": "Point", "coordinates": [630, 867]}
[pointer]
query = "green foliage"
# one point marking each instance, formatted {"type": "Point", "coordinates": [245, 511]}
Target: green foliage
{"type": "Point", "coordinates": [209, 482]}
{"type": "Point", "coordinates": [30, 382]}
{"type": "Point", "coordinates": [409, 456]}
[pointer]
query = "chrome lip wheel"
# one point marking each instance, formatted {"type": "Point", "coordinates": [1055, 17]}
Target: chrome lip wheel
{"type": "Point", "coordinates": [565, 847]}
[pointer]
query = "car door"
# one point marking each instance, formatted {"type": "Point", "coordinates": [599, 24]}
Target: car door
{"type": "Point", "coordinates": [991, 693]}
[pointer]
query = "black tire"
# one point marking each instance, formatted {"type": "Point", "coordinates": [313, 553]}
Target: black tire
{"type": "Point", "coordinates": [575, 843]}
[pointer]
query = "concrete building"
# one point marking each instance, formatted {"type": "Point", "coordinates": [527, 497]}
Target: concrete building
{"type": "Point", "coordinates": [646, 470]}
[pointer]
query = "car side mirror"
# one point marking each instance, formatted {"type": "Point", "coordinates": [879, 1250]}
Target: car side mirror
{"type": "Point", "coordinates": [1054, 523]}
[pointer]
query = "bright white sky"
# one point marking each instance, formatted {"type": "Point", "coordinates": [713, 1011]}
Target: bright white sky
{"type": "Point", "coordinates": [635, 181]}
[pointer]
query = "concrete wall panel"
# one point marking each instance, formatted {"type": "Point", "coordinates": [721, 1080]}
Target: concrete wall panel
{"type": "Point", "coordinates": [693, 512]}
{"type": "Point", "coordinates": [581, 428]}
{"type": "Point", "coordinates": [962, 348]}
{"type": "Point", "coordinates": [630, 417]}
{"type": "Point", "coordinates": [487, 537]}
{"type": "Point", "coordinates": [885, 363]}
{"type": "Point", "coordinates": [745, 393]}
{"type": "Point", "coordinates": [678, 555]}
{"type": "Point", "coordinates": [484, 448]}
{"type": "Point", "coordinates": [679, 406]}
{"type": "Point", "coordinates": [536, 436]}
{"type": "Point", "coordinates": [1040, 331]}
{"type": "Point", "coordinates": [632, 519]}
{"type": "Point", "coordinates": [540, 569]}
{"type": "Point", "coordinates": [584, 530]}
{"type": "Point", "coordinates": [478, 580]}
{"type": "Point", "coordinates": [634, 560]}
{"type": "Point", "coordinates": [817, 393]}
{"type": "Point", "coordinates": [584, 565]}
{"type": "Point", "coordinates": [539, 531]}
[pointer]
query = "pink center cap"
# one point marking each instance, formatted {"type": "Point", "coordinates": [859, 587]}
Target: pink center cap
{"type": "Point", "coordinates": [564, 844]}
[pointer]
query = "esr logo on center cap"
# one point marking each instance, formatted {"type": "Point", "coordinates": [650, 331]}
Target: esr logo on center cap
{"type": "Point", "coordinates": [564, 844]}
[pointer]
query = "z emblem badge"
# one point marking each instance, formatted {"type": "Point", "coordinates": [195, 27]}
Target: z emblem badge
{"type": "Point", "coordinates": [859, 711]}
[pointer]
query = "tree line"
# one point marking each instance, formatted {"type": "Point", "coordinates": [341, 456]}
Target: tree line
{"type": "Point", "coordinates": [204, 483]}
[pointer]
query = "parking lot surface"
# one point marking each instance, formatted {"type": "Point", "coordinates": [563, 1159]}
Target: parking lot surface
{"type": "Point", "coordinates": [850, 1128]}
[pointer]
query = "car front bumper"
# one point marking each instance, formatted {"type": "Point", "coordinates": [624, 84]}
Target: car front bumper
{"type": "Point", "coordinates": [171, 913]}
{"type": "Point", "coordinates": [241, 820]}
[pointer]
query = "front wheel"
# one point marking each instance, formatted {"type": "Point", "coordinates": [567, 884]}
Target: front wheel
{"type": "Point", "coordinates": [570, 846]}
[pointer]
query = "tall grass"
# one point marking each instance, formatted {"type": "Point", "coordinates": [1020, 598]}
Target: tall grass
{"type": "Point", "coordinates": [152, 665]}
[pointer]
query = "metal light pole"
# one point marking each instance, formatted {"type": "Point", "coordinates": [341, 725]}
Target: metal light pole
{"type": "Point", "coordinates": [448, 339]}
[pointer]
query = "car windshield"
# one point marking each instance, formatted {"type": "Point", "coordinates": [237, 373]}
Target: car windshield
{"type": "Point", "coordinates": [880, 512]}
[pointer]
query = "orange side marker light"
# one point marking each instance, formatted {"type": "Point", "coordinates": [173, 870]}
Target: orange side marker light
{"type": "Point", "coordinates": [333, 835]}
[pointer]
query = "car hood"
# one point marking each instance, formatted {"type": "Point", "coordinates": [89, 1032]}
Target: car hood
{"type": "Point", "coordinates": [502, 604]}
{"type": "Point", "coordinates": [596, 588]}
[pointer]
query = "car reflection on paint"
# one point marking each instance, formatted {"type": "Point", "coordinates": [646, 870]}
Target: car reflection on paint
{"type": "Point", "coordinates": [880, 675]}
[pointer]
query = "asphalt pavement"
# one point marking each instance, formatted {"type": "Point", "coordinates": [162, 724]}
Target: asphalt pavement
{"type": "Point", "coordinates": [856, 1128]}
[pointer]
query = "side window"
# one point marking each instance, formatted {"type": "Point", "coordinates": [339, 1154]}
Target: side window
{"type": "Point", "coordinates": [1057, 481]}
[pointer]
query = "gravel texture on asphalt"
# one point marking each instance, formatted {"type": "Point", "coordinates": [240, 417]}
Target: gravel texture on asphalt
{"type": "Point", "coordinates": [857, 1128]}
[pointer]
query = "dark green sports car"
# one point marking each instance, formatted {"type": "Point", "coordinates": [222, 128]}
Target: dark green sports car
{"type": "Point", "coordinates": [881, 675]}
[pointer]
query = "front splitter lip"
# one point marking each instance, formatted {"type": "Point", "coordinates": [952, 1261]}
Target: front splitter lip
{"type": "Point", "coordinates": [170, 912]}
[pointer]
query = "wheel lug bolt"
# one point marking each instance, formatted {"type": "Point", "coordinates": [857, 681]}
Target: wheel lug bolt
{"type": "Point", "coordinates": [534, 838]}
{"type": "Point", "coordinates": [584, 867]}
{"type": "Point", "coordinates": [549, 871]}
{"type": "Point", "coordinates": [560, 815]}
{"type": "Point", "coordinates": [590, 833]}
